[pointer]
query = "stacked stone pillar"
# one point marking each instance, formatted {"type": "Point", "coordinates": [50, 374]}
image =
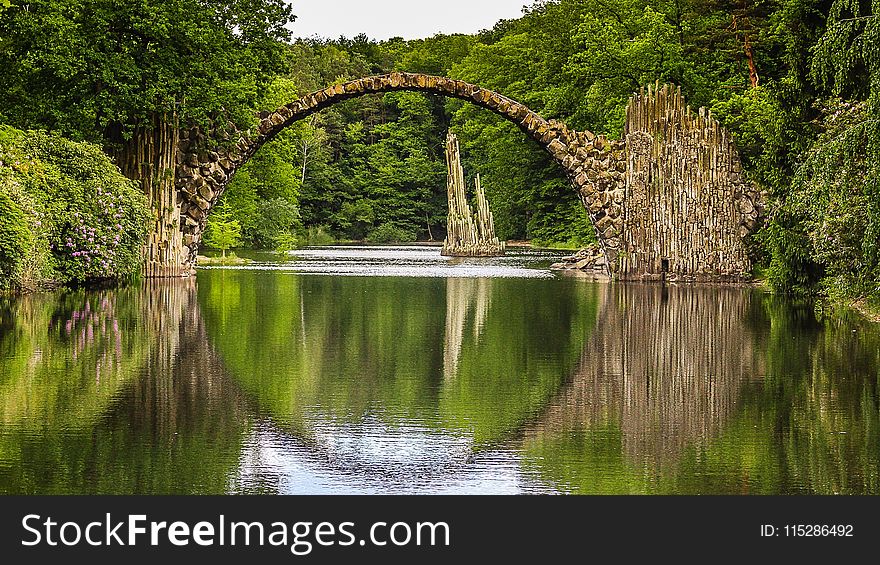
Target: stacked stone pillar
{"type": "Point", "coordinates": [486, 221]}
{"type": "Point", "coordinates": [688, 207]}
{"type": "Point", "coordinates": [467, 234]}
{"type": "Point", "coordinates": [149, 158]}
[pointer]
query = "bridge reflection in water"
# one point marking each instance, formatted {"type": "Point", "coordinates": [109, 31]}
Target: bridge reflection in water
{"type": "Point", "coordinates": [469, 385]}
{"type": "Point", "coordinates": [663, 373]}
{"type": "Point", "coordinates": [402, 385]}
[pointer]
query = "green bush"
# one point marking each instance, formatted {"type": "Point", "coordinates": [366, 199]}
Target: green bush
{"type": "Point", "coordinates": [274, 217]}
{"type": "Point", "coordinates": [222, 231]}
{"type": "Point", "coordinates": [389, 233]}
{"type": "Point", "coordinates": [15, 239]}
{"type": "Point", "coordinates": [317, 235]}
{"type": "Point", "coordinates": [286, 241]}
{"type": "Point", "coordinates": [83, 219]}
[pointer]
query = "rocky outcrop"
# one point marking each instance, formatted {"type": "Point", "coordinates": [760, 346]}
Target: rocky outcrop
{"type": "Point", "coordinates": [467, 234]}
{"type": "Point", "coordinates": [589, 261]}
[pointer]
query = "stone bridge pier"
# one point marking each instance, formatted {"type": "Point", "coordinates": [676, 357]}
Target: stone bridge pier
{"type": "Point", "coordinates": [667, 200]}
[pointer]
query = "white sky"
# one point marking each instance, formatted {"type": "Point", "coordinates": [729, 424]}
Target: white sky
{"type": "Point", "coordinates": [410, 19]}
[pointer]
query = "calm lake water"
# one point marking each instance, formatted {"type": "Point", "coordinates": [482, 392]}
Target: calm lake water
{"type": "Point", "coordinates": [394, 370]}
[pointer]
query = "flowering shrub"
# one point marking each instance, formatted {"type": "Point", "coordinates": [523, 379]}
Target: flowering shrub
{"type": "Point", "coordinates": [84, 219]}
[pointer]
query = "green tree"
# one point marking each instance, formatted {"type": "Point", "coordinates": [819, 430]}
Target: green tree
{"type": "Point", "coordinates": [100, 69]}
{"type": "Point", "coordinates": [222, 231]}
{"type": "Point", "coordinates": [297, 165]}
{"type": "Point", "coordinates": [531, 197]}
{"type": "Point", "coordinates": [277, 219]}
{"type": "Point", "coordinates": [836, 192]}
{"type": "Point", "coordinates": [126, 75]}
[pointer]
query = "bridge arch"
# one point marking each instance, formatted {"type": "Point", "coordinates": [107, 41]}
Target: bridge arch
{"type": "Point", "coordinates": [595, 165]}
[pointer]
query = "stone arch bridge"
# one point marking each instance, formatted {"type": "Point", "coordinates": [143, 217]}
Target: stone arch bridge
{"type": "Point", "coordinates": [667, 200]}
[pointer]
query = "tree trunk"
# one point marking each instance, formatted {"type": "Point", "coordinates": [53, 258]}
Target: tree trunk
{"type": "Point", "coordinates": [305, 152]}
{"type": "Point", "coordinates": [754, 79]}
{"type": "Point", "coordinates": [753, 68]}
{"type": "Point", "coordinates": [149, 158]}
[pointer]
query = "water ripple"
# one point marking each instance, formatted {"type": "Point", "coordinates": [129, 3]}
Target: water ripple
{"type": "Point", "coordinates": [405, 261]}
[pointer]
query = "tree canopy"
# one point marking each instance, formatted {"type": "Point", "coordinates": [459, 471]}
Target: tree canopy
{"type": "Point", "coordinates": [87, 68]}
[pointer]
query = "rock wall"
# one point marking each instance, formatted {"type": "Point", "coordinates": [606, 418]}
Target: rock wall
{"type": "Point", "coordinates": [205, 165]}
{"type": "Point", "coordinates": [688, 207]}
{"type": "Point", "coordinates": [149, 157]}
{"type": "Point", "coordinates": [596, 167]}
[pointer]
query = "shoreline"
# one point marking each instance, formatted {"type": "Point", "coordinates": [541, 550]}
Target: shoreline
{"type": "Point", "coordinates": [868, 311]}
{"type": "Point", "coordinates": [864, 307]}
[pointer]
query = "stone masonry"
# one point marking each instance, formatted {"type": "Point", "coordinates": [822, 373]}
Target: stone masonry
{"type": "Point", "coordinates": [605, 173]}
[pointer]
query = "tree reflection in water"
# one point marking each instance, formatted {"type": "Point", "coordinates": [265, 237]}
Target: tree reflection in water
{"type": "Point", "coordinates": [714, 390]}
{"type": "Point", "coordinates": [270, 382]}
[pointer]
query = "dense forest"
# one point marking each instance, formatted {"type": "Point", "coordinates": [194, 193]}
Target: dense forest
{"type": "Point", "coordinates": [797, 82]}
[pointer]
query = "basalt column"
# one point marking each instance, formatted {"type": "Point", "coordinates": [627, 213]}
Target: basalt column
{"type": "Point", "coordinates": [687, 207]}
{"type": "Point", "coordinates": [467, 234]}
{"type": "Point", "coordinates": [486, 222]}
{"type": "Point", "coordinates": [149, 158]}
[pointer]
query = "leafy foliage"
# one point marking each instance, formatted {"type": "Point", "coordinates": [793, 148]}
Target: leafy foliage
{"type": "Point", "coordinates": [222, 232]}
{"type": "Point", "coordinates": [317, 235]}
{"type": "Point", "coordinates": [389, 233]}
{"type": "Point", "coordinates": [91, 67]}
{"type": "Point", "coordinates": [72, 217]}
{"type": "Point", "coordinates": [824, 168]}
{"type": "Point", "coordinates": [14, 239]}
{"type": "Point", "coordinates": [276, 219]}
{"type": "Point", "coordinates": [797, 82]}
